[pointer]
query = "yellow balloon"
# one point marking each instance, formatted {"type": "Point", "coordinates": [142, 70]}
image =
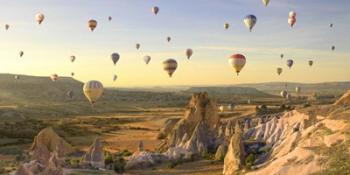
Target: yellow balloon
{"type": "Point", "coordinates": [93, 90]}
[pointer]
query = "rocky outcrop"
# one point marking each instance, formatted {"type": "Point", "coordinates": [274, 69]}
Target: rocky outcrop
{"type": "Point", "coordinates": [54, 166]}
{"type": "Point", "coordinates": [344, 100]}
{"type": "Point", "coordinates": [94, 157]}
{"type": "Point", "coordinates": [168, 126]}
{"type": "Point", "coordinates": [144, 159]}
{"type": "Point", "coordinates": [221, 152]}
{"type": "Point", "coordinates": [200, 110]}
{"type": "Point", "coordinates": [41, 154]}
{"type": "Point", "coordinates": [140, 147]}
{"type": "Point", "coordinates": [23, 170]}
{"type": "Point", "coordinates": [49, 139]}
{"type": "Point", "coordinates": [234, 159]}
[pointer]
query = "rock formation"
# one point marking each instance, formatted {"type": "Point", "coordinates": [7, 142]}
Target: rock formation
{"type": "Point", "coordinates": [48, 138]}
{"type": "Point", "coordinates": [140, 147]}
{"type": "Point", "coordinates": [94, 157]}
{"type": "Point", "coordinates": [344, 100]}
{"type": "Point", "coordinates": [168, 126]}
{"type": "Point", "coordinates": [221, 152]}
{"type": "Point", "coordinates": [54, 166]}
{"type": "Point", "coordinates": [199, 110]}
{"type": "Point", "coordinates": [41, 154]}
{"type": "Point", "coordinates": [23, 170]}
{"type": "Point", "coordinates": [144, 159]}
{"type": "Point", "coordinates": [234, 159]}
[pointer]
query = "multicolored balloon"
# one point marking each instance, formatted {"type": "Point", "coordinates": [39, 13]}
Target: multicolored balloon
{"type": "Point", "coordinates": [237, 61]}
{"type": "Point", "coordinates": [170, 66]}
{"type": "Point", "coordinates": [92, 24]}
{"type": "Point", "coordinates": [250, 21]}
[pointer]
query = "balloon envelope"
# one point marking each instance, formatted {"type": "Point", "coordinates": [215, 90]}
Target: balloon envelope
{"type": "Point", "coordinates": [92, 24]}
{"type": "Point", "coordinates": [292, 14]}
{"type": "Point", "coordinates": [54, 77]}
{"type": "Point", "coordinates": [237, 61]}
{"type": "Point", "coordinates": [189, 53]}
{"type": "Point", "coordinates": [265, 2]}
{"type": "Point", "coordinates": [170, 65]}
{"type": "Point", "coordinates": [226, 26]}
{"type": "Point", "coordinates": [39, 17]}
{"type": "Point", "coordinates": [115, 58]}
{"type": "Point", "coordinates": [21, 53]}
{"type": "Point", "coordinates": [115, 77]}
{"type": "Point", "coordinates": [250, 21]}
{"type": "Point", "coordinates": [155, 10]}
{"type": "Point", "coordinates": [147, 59]}
{"type": "Point", "coordinates": [292, 21]}
{"type": "Point", "coordinates": [138, 45]}
{"type": "Point", "coordinates": [284, 94]}
{"type": "Point", "coordinates": [279, 70]}
{"type": "Point", "coordinates": [93, 90]}
{"type": "Point", "coordinates": [290, 63]}
{"type": "Point", "coordinates": [7, 27]}
{"type": "Point", "coordinates": [311, 62]}
{"type": "Point", "coordinates": [168, 38]}
{"type": "Point", "coordinates": [72, 58]}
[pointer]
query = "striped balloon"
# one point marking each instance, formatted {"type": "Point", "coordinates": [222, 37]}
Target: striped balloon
{"type": "Point", "coordinates": [93, 90]}
{"type": "Point", "coordinates": [170, 65]}
{"type": "Point", "coordinates": [237, 61]}
{"type": "Point", "coordinates": [250, 21]}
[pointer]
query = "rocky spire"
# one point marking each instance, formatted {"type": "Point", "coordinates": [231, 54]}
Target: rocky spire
{"type": "Point", "coordinates": [140, 147]}
{"type": "Point", "coordinates": [95, 155]}
{"type": "Point", "coordinates": [234, 159]}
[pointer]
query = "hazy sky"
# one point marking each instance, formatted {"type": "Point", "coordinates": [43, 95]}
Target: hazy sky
{"type": "Point", "coordinates": [196, 24]}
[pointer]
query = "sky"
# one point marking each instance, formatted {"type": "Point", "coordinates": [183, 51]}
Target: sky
{"type": "Point", "coordinates": [196, 24]}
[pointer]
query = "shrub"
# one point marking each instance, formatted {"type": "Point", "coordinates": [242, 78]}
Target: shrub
{"type": "Point", "coordinates": [119, 165]}
{"type": "Point", "coordinates": [250, 160]}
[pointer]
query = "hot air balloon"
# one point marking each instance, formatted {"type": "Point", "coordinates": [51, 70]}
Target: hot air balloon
{"type": "Point", "coordinates": [72, 74]}
{"type": "Point", "coordinates": [330, 25]}
{"type": "Point", "coordinates": [92, 24]}
{"type": "Point", "coordinates": [72, 58]}
{"type": "Point", "coordinates": [189, 53]}
{"type": "Point", "coordinates": [115, 58]}
{"type": "Point", "coordinates": [226, 26]}
{"type": "Point", "coordinates": [284, 94]}
{"type": "Point", "coordinates": [147, 59]}
{"type": "Point", "coordinates": [292, 20]}
{"type": "Point", "coordinates": [109, 18]}
{"type": "Point", "coordinates": [93, 90]}
{"type": "Point", "coordinates": [290, 63]}
{"type": "Point", "coordinates": [70, 94]}
{"type": "Point", "coordinates": [54, 77]}
{"type": "Point", "coordinates": [297, 89]}
{"type": "Point", "coordinates": [170, 65]}
{"type": "Point", "coordinates": [237, 61]}
{"type": "Point", "coordinates": [21, 53]}
{"type": "Point", "coordinates": [155, 10]}
{"type": "Point", "coordinates": [289, 96]}
{"type": "Point", "coordinates": [292, 14]}
{"type": "Point", "coordinates": [17, 77]}
{"type": "Point", "coordinates": [265, 2]}
{"type": "Point", "coordinates": [39, 17]}
{"type": "Point", "coordinates": [250, 21]}
{"type": "Point", "coordinates": [115, 77]}
{"type": "Point", "coordinates": [249, 101]}
{"type": "Point", "coordinates": [222, 108]}
{"type": "Point", "coordinates": [7, 27]}
{"type": "Point", "coordinates": [279, 70]}
{"type": "Point", "coordinates": [168, 38]}
{"type": "Point", "coordinates": [138, 45]}
{"type": "Point", "coordinates": [311, 62]}
{"type": "Point", "coordinates": [333, 48]}
{"type": "Point", "coordinates": [282, 56]}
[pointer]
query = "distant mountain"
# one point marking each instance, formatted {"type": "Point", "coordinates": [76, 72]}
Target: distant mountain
{"type": "Point", "coordinates": [230, 94]}
{"type": "Point", "coordinates": [327, 88]}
